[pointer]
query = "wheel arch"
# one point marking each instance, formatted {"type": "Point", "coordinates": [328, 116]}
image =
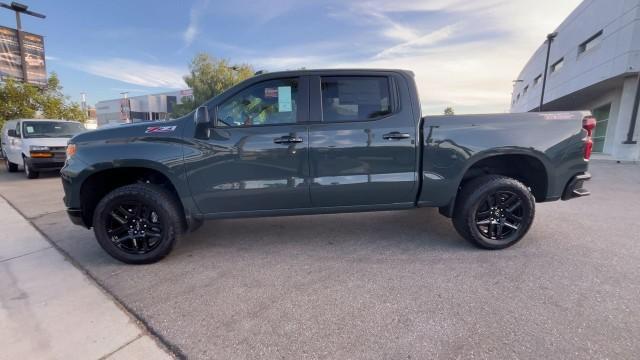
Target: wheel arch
{"type": "Point", "coordinates": [100, 182]}
{"type": "Point", "coordinates": [529, 167]}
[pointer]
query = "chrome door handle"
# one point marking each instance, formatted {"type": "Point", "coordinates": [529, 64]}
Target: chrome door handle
{"type": "Point", "coordinates": [395, 135]}
{"type": "Point", "coordinates": [288, 140]}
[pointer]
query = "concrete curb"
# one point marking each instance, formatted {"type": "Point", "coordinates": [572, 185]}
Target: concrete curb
{"type": "Point", "coordinates": [52, 308]}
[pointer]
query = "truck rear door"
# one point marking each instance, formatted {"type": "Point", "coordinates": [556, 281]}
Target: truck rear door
{"type": "Point", "coordinates": [362, 140]}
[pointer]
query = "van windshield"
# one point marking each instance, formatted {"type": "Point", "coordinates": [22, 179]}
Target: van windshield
{"type": "Point", "coordinates": [51, 129]}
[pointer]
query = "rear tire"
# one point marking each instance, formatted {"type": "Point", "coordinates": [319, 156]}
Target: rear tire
{"type": "Point", "coordinates": [138, 224]}
{"type": "Point", "coordinates": [11, 167]}
{"type": "Point", "coordinates": [494, 212]}
{"type": "Point", "coordinates": [28, 170]}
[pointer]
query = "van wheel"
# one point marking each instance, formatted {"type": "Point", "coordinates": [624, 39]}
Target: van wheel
{"type": "Point", "coordinates": [31, 174]}
{"type": "Point", "coordinates": [138, 224]}
{"type": "Point", "coordinates": [11, 167]}
{"type": "Point", "coordinates": [494, 212]}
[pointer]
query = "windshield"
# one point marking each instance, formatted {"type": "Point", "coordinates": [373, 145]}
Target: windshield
{"type": "Point", "coordinates": [51, 129]}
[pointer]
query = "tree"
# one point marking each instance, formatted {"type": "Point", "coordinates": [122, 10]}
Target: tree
{"type": "Point", "coordinates": [209, 77]}
{"type": "Point", "coordinates": [20, 100]}
{"type": "Point", "coordinates": [449, 111]}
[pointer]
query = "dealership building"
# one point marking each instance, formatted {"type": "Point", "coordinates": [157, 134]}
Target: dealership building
{"type": "Point", "coordinates": [594, 64]}
{"type": "Point", "coordinates": [139, 108]}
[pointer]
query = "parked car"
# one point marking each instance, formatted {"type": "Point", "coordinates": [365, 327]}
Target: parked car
{"type": "Point", "coordinates": [37, 144]}
{"type": "Point", "coordinates": [312, 142]}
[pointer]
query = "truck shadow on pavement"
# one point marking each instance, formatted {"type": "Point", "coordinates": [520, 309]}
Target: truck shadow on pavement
{"type": "Point", "coordinates": [336, 235]}
{"type": "Point", "coordinates": [409, 230]}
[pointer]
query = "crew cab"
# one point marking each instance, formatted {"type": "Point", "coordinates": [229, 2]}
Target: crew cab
{"type": "Point", "coordinates": [37, 144]}
{"type": "Point", "coordinates": [321, 141]}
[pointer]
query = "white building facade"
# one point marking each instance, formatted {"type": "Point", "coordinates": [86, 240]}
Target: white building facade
{"type": "Point", "coordinates": [139, 108]}
{"type": "Point", "coordinates": [594, 64]}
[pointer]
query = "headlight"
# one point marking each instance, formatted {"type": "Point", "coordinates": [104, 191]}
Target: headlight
{"type": "Point", "coordinates": [71, 150]}
{"type": "Point", "coordinates": [38, 148]}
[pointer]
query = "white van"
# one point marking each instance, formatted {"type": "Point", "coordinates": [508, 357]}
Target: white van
{"type": "Point", "coordinates": [37, 144]}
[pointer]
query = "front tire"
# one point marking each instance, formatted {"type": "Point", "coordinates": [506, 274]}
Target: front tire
{"type": "Point", "coordinates": [138, 224]}
{"type": "Point", "coordinates": [11, 167]}
{"type": "Point", "coordinates": [494, 212]}
{"type": "Point", "coordinates": [28, 170]}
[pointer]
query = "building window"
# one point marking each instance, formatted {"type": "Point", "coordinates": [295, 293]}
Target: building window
{"type": "Point", "coordinates": [537, 80]}
{"type": "Point", "coordinates": [526, 88]}
{"type": "Point", "coordinates": [557, 65]}
{"type": "Point", "coordinates": [518, 97]}
{"type": "Point", "coordinates": [602, 120]}
{"type": "Point", "coordinates": [590, 43]}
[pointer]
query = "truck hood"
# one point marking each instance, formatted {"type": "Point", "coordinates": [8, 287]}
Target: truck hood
{"type": "Point", "coordinates": [45, 141]}
{"type": "Point", "coordinates": [132, 130]}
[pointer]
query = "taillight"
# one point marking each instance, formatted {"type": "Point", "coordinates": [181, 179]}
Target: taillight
{"type": "Point", "coordinates": [589, 124]}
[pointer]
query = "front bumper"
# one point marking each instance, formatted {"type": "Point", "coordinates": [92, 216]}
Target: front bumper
{"type": "Point", "coordinates": [575, 187]}
{"type": "Point", "coordinates": [75, 215]}
{"type": "Point", "coordinates": [45, 164]}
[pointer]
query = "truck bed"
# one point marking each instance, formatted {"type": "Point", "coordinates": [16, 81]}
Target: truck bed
{"type": "Point", "coordinates": [549, 144]}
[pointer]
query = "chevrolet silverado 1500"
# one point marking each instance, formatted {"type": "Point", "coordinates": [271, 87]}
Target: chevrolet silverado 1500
{"type": "Point", "coordinates": [321, 141]}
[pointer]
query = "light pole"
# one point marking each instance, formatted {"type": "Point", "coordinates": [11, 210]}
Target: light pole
{"type": "Point", "coordinates": [18, 9]}
{"type": "Point", "coordinates": [550, 38]}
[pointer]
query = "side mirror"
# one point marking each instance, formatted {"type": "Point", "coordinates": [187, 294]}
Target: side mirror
{"type": "Point", "coordinates": [201, 116]}
{"type": "Point", "coordinates": [203, 123]}
{"type": "Point", "coordinates": [12, 133]}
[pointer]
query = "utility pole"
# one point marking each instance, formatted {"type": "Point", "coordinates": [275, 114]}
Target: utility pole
{"type": "Point", "coordinates": [550, 38]}
{"type": "Point", "coordinates": [21, 9]}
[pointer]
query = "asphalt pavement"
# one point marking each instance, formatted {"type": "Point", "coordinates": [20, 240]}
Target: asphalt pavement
{"type": "Point", "coordinates": [385, 285]}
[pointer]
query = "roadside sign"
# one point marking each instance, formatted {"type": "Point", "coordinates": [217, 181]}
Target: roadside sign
{"type": "Point", "coordinates": [10, 62]}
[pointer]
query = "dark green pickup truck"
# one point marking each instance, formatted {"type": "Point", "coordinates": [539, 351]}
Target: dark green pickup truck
{"type": "Point", "coordinates": [321, 141]}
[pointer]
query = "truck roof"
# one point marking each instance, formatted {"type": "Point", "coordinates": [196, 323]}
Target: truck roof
{"type": "Point", "coordinates": [58, 120]}
{"type": "Point", "coordinates": [353, 71]}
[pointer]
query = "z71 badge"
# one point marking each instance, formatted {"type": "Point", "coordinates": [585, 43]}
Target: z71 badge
{"type": "Point", "coordinates": [160, 129]}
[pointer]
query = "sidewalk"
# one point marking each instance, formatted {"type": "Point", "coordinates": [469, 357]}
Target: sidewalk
{"type": "Point", "coordinates": [51, 310]}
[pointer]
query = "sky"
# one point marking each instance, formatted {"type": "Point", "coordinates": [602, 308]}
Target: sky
{"type": "Point", "coordinates": [464, 53]}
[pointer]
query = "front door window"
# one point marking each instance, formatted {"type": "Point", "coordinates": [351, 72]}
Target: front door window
{"type": "Point", "coordinates": [267, 103]}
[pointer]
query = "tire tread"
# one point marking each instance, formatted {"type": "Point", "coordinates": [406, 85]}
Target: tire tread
{"type": "Point", "coordinates": [468, 196]}
{"type": "Point", "coordinates": [156, 195]}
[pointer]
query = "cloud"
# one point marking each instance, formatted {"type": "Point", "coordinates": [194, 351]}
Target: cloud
{"type": "Point", "coordinates": [396, 6]}
{"type": "Point", "coordinates": [129, 90]}
{"type": "Point", "coordinates": [420, 43]}
{"type": "Point", "coordinates": [137, 73]}
{"type": "Point", "coordinates": [464, 53]}
{"type": "Point", "coordinates": [193, 29]}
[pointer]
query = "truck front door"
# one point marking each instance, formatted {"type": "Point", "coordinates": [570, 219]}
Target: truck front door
{"type": "Point", "coordinates": [256, 158]}
{"type": "Point", "coordinates": [363, 143]}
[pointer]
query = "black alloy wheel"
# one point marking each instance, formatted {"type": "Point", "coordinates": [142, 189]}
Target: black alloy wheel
{"type": "Point", "coordinates": [134, 228]}
{"type": "Point", "coordinates": [493, 211]}
{"type": "Point", "coordinates": [138, 223]}
{"type": "Point", "coordinates": [499, 215]}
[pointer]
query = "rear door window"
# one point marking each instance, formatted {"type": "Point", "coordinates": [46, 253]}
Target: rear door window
{"type": "Point", "coordinates": [358, 98]}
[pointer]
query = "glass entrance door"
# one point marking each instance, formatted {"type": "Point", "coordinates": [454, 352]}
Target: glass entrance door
{"type": "Point", "coordinates": [602, 117]}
